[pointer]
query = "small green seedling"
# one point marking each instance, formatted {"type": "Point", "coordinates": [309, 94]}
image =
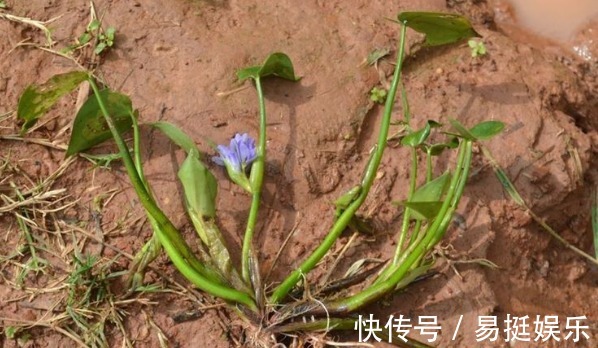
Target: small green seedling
{"type": "Point", "coordinates": [104, 38]}
{"type": "Point", "coordinates": [378, 95]}
{"type": "Point", "coordinates": [477, 47]}
{"type": "Point", "coordinates": [10, 331]}
{"type": "Point", "coordinates": [2, 4]}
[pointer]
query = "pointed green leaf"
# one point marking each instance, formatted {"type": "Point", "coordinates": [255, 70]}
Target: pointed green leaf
{"type": "Point", "coordinates": [36, 100]}
{"type": "Point", "coordinates": [90, 128]}
{"type": "Point", "coordinates": [508, 186]}
{"type": "Point", "coordinates": [433, 190]}
{"type": "Point", "coordinates": [486, 130]}
{"type": "Point", "coordinates": [277, 64]}
{"type": "Point", "coordinates": [177, 136]}
{"type": "Point", "coordinates": [423, 210]}
{"type": "Point", "coordinates": [440, 28]}
{"type": "Point", "coordinates": [461, 130]}
{"type": "Point", "coordinates": [417, 138]}
{"type": "Point", "coordinates": [426, 200]}
{"type": "Point", "coordinates": [200, 186]}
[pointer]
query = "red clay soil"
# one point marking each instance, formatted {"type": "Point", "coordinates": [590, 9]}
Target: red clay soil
{"type": "Point", "coordinates": [174, 57]}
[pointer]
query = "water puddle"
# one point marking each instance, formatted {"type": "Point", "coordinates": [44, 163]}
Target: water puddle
{"type": "Point", "coordinates": [573, 23]}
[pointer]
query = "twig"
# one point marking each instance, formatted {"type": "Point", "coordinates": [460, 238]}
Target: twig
{"type": "Point", "coordinates": [282, 247]}
{"type": "Point", "coordinates": [516, 197]}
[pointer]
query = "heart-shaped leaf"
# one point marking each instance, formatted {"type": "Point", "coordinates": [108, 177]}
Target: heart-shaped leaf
{"type": "Point", "coordinates": [433, 190]}
{"type": "Point", "coordinates": [177, 136]}
{"type": "Point", "coordinates": [36, 100]}
{"type": "Point", "coordinates": [426, 200]}
{"type": "Point", "coordinates": [423, 210]}
{"type": "Point", "coordinates": [440, 28]}
{"type": "Point", "coordinates": [90, 128]}
{"type": "Point", "coordinates": [277, 64]}
{"type": "Point", "coordinates": [486, 130]}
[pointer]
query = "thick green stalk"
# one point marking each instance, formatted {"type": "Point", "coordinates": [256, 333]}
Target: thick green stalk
{"type": "Point", "coordinates": [465, 166]}
{"type": "Point", "coordinates": [407, 212]}
{"type": "Point", "coordinates": [378, 290]}
{"type": "Point", "coordinates": [256, 180]}
{"type": "Point", "coordinates": [430, 230]}
{"type": "Point", "coordinates": [175, 247]}
{"type": "Point", "coordinates": [428, 167]}
{"type": "Point", "coordinates": [152, 248]}
{"type": "Point", "coordinates": [370, 174]}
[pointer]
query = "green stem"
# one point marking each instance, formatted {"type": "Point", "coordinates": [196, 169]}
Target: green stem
{"type": "Point", "coordinates": [409, 258]}
{"type": "Point", "coordinates": [407, 213]}
{"type": "Point", "coordinates": [370, 174]}
{"type": "Point", "coordinates": [175, 246]}
{"type": "Point", "coordinates": [464, 165]}
{"type": "Point", "coordinates": [256, 180]}
{"type": "Point", "coordinates": [137, 152]}
{"type": "Point", "coordinates": [428, 166]}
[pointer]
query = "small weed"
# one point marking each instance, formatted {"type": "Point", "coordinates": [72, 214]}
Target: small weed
{"type": "Point", "coordinates": [2, 4]}
{"type": "Point", "coordinates": [90, 303]}
{"type": "Point", "coordinates": [10, 331]}
{"type": "Point", "coordinates": [477, 47]}
{"type": "Point", "coordinates": [378, 95]}
{"type": "Point", "coordinates": [104, 39]}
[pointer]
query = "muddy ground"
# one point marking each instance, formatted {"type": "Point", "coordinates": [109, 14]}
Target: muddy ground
{"type": "Point", "coordinates": [173, 58]}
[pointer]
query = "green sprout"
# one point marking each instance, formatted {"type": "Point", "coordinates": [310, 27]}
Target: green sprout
{"type": "Point", "coordinates": [104, 39]}
{"type": "Point", "coordinates": [2, 4]}
{"type": "Point", "coordinates": [477, 47]}
{"type": "Point", "coordinates": [378, 95]}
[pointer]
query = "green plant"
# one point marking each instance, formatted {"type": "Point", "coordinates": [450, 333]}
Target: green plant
{"type": "Point", "coordinates": [94, 35]}
{"type": "Point", "coordinates": [378, 95]}
{"type": "Point", "coordinates": [428, 209]}
{"type": "Point", "coordinates": [477, 47]}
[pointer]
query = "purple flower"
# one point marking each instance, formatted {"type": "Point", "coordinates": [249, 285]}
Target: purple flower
{"type": "Point", "coordinates": [236, 158]}
{"type": "Point", "coordinates": [238, 155]}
